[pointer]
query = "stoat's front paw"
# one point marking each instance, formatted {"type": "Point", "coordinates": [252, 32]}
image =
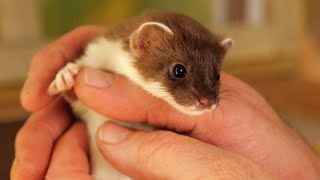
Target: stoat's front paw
{"type": "Point", "coordinates": [64, 79]}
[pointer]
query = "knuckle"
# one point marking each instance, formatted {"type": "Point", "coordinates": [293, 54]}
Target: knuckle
{"type": "Point", "coordinates": [19, 138]}
{"type": "Point", "coordinates": [86, 28]}
{"type": "Point", "coordinates": [30, 130]}
{"type": "Point", "coordinates": [234, 169]}
{"type": "Point", "coordinates": [152, 150]}
{"type": "Point", "coordinates": [24, 169]}
{"type": "Point", "coordinates": [225, 173]}
{"type": "Point", "coordinates": [53, 52]}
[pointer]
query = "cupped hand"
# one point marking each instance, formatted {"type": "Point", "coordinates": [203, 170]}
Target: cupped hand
{"type": "Point", "coordinates": [243, 123]}
{"type": "Point", "coordinates": [48, 61]}
{"type": "Point", "coordinates": [47, 130]}
{"type": "Point", "coordinates": [51, 146]}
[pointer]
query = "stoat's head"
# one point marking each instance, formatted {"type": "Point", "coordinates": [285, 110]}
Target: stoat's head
{"type": "Point", "coordinates": [180, 63]}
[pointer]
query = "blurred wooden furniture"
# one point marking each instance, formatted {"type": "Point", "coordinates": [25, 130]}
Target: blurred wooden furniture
{"type": "Point", "coordinates": [20, 37]}
{"type": "Point", "coordinates": [309, 61]}
{"type": "Point", "coordinates": [317, 148]}
{"type": "Point", "coordinates": [10, 109]}
{"type": "Point", "coordinates": [308, 64]}
{"type": "Point", "coordinates": [268, 38]}
{"type": "Point", "coordinates": [290, 94]}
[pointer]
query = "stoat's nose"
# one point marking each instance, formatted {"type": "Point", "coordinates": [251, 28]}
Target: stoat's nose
{"type": "Point", "coordinates": [206, 103]}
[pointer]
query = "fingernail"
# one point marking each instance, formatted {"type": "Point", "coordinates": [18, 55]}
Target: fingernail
{"type": "Point", "coordinates": [97, 78]}
{"type": "Point", "coordinates": [113, 134]}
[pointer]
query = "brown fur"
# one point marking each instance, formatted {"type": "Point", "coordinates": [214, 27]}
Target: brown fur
{"type": "Point", "coordinates": [156, 51]}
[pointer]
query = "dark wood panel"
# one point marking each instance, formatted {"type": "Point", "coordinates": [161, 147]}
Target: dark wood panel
{"type": "Point", "coordinates": [7, 136]}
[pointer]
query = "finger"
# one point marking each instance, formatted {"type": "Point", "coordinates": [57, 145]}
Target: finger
{"type": "Point", "coordinates": [36, 138]}
{"type": "Point", "coordinates": [166, 155]}
{"type": "Point", "coordinates": [70, 156]}
{"type": "Point", "coordinates": [98, 89]}
{"type": "Point", "coordinates": [49, 61]}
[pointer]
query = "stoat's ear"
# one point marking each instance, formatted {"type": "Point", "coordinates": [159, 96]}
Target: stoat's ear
{"type": "Point", "coordinates": [227, 43]}
{"type": "Point", "coordinates": [148, 36]}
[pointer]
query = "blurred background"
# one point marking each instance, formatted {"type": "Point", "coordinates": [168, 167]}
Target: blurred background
{"type": "Point", "coordinates": [277, 50]}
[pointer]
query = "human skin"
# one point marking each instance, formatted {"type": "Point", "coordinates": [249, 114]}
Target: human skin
{"type": "Point", "coordinates": [244, 131]}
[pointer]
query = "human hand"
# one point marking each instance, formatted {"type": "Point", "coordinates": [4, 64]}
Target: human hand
{"type": "Point", "coordinates": [51, 146]}
{"type": "Point", "coordinates": [48, 61]}
{"type": "Point", "coordinates": [54, 155]}
{"type": "Point", "coordinates": [49, 137]}
{"type": "Point", "coordinates": [69, 159]}
{"type": "Point", "coordinates": [243, 123]}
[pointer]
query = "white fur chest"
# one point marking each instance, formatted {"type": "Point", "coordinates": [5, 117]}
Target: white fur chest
{"type": "Point", "coordinates": [109, 55]}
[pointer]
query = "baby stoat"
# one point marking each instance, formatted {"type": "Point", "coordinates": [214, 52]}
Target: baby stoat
{"type": "Point", "coordinates": [169, 55]}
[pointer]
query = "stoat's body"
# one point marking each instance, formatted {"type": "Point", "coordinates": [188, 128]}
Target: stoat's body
{"type": "Point", "coordinates": [169, 55]}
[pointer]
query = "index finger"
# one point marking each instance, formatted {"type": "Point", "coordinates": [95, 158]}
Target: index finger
{"type": "Point", "coordinates": [69, 159]}
{"type": "Point", "coordinates": [49, 61]}
{"type": "Point", "coordinates": [36, 138]}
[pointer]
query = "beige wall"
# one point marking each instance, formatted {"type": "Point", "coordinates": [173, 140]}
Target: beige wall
{"type": "Point", "coordinates": [21, 35]}
{"type": "Point", "coordinates": [1, 16]}
{"type": "Point", "coordinates": [270, 48]}
{"type": "Point", "coordinates": [21, 21]}
{"type": "Point", "coordinates": [284, 31]}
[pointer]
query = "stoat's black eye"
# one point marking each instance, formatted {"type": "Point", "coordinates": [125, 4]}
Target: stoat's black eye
{"type": "Point", "coordinates": [218, 77]}
{"type": "Point", "coordinates": [179, 71]}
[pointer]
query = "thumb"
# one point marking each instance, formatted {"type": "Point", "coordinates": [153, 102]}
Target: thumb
{"type": "Point", "coordinates": [98, 89]}
{"type": "Point", "coordinates": [167, 155]}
